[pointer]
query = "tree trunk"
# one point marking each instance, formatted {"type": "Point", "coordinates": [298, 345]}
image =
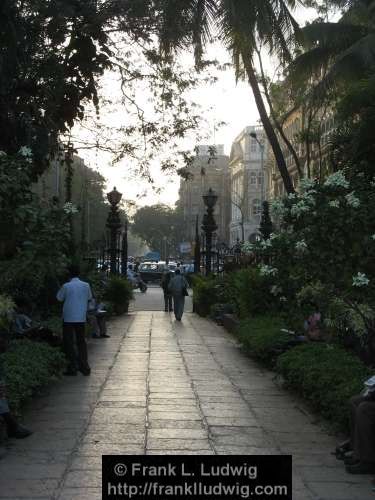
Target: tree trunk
{"type": "Point", "coordinates": [276, 121]}
{"type": "Point", "coordinates": [271, 135]}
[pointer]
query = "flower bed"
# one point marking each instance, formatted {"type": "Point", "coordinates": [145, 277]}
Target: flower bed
{"type": "Point", "coordinates": [325, 375]}
{"type": "Point", "coordinates": [28, 367]}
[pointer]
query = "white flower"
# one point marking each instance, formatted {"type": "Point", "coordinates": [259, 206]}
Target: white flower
{"type": "Point", "coordinates": [306, 184]}
{"type": "Point", "coordinates": [266, 244]}
{"type": "Point", "coordinates": [337, 180]}
{"type": "Point", "coordinates": [334, 204]}
{"type": "Point", "coordinates": [299, 208]}
{"type": "Point", "coordinates": [278, 208]}
{"type": "Point", "coordinates": [308, 198]}
{"type": "Point", "coordinates": [25, 151]}
{"type": "Point", "coordinates": [372, 236]}
{"type": "Point", "coordinates": [301, 246]}
{"type": "Point", "coordinates": [273, 236]}
{"type": "Point", "coordinates": [247, 247]}
{"type": "Point", "coordinates": [267, 270]}
{"type": "Point", "coordinates": [70, 209]}
{"type": "Point", "coordinates": [275, 290]}
{"type": "Point", "coordinates": [283, 299]}
{"type": "Point", "coordinates": [3, 153]}
{"type": "Point", "coordinates": [352, 200]}
{"type": "Point", "coordinates": [360, 280]}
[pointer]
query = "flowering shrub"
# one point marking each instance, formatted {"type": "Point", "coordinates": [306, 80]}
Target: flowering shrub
{"type": "Point", "coordinates": [34, 247]}
{"type": "Point", "coordinates": [325, 241]}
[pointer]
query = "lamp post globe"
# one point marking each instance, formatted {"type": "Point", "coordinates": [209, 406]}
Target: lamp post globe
{"type": "Point", "coordinates": [210, 198]}
{"type": "Point", "coordinates": [114, 197]}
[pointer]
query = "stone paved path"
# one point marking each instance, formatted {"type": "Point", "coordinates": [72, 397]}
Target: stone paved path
{"type": "Point", "coordinates": [161, 387]}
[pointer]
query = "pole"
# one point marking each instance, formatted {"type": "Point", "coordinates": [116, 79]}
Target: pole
{"type": "Point", "coordinates": [197, 249]}
{"type": "Point", "coordinates": [124, 250]}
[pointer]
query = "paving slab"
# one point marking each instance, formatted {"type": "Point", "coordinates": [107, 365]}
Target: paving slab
{"type": "Point", "coordinates": [159, 387]}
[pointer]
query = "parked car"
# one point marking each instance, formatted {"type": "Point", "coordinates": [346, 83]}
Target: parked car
{"type": "Point", "coordinates": [151, 271]}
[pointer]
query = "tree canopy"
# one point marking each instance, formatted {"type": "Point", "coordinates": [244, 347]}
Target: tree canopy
{"type": "Point", "coordinates": [158, 223]}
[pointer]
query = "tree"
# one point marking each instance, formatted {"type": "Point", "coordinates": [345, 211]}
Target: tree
{"type": "Point", "coordinates": [157, 223]}
{"type": "Point", "coordinates": [51, 54]}
{"type": "Point", "coordinates": [266, 227]}
{"type": "Point", "coordinates": [241, 24]}
{"type": "Point", "coordinates": [337, 54]}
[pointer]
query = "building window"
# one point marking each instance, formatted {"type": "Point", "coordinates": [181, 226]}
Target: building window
{"type": "Point", "coordinates": [253, 178]}
{"type": "Point", "coordinates": [254, 237]}
{"type": "Point", "coordinates": [256, 207]}
{"type": "Point", "coordinates": [253, 146]}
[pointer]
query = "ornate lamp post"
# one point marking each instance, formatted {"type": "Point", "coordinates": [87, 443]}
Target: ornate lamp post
{"type": "Point", "coordinates": [209, 225]}
{"type": "Point", "coordinates": [114, 225]}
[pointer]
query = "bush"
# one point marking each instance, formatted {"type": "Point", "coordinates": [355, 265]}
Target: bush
{"type": "Point", "coordinates": [7, 307]}
{"type": "Point", "coordinates": [206, 293]}
{"type": "Point", "coordinates": [262, 337]}
{"type": "Point", "coordinates": [251, 292]}
{"type": "Point", "coordinates": [119, 293]}
{"type": "Point", "coordinates": [29, 366]}
{"type": "Point", "coordinates": [327, 376]}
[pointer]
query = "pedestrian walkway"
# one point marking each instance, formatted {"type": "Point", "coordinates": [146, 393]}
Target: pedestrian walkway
{"type": "Point", "coordinates": [153, 300]}
{"type": "Point", "coordinates": [162, 387]}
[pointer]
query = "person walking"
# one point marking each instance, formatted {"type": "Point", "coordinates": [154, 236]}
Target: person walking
{"type": "Point", "coordinates": [75, 295]}
{"type": "Point", "coordinates": [165, 280]}
{"type": "Point", "coordinates": [178, 288]}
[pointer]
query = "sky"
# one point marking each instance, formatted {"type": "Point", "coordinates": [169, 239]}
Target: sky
{"type": "Point", "coordinates": [225, 101]}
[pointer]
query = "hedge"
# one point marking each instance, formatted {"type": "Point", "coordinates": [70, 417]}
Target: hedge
{"type": "Point", "coordinates": [325, 375]}
{"type": "Point", "coordinates": [262, 337]}
{"type": "Point", "coordinates": [29, 366]}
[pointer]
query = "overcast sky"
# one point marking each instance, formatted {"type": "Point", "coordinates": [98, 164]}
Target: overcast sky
{"type": "Point", "coordinates": [229, 102]}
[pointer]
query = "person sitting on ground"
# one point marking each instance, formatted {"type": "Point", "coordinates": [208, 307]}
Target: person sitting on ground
{"type": "Point", "coordinates": [24, 327]}
{"type": "Point", "coordinates": [166, 278]}
{"type": "Point", "coordinates": [13, 427]}
{"type": "Point", "coordinates": [313, 324]}
{"type": "Point", "coordinates": [362, 435]}
{"type": "Point", "coordinates": [22, 323]}
{"type": "Point", "coordinates": [96, 318]}
{"type": "Point", "coordinates": [130, 274]}
{"type": "Point", "coordinates": [358, 452]}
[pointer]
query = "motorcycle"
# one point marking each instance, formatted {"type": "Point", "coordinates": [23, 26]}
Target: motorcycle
{"type": "Point", "coordinates": [139, 283]}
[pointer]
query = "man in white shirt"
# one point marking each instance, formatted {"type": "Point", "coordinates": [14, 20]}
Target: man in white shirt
{"type": "Point", "coordinates": [75, 294]}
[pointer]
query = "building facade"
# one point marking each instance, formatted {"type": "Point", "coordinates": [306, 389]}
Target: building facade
{"type": "Point", "coordinates": [249, 180]}
{"type": "Point", "coordinates": [311, 144]}
{"type": "Point", "coordinates": [209, 170]}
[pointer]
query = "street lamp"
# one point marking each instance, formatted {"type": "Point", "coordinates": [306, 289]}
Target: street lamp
{"type": "Point", "coordinates": [209, 225]}
{"type": "Point", "coordinates": [114, 225]}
